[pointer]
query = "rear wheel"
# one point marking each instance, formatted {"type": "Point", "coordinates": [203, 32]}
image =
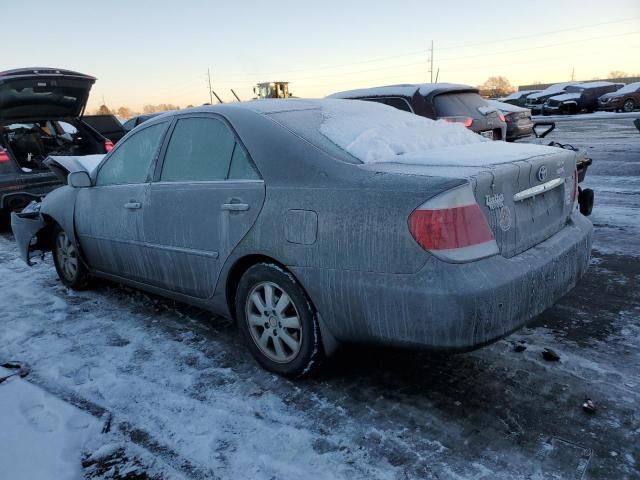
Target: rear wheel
{"type": "Point", "coordinates": [277, 321]}
{"type": "Point", "coordinates": [66, 258]}
{"type": "Point", "coordinates": [628, 106]}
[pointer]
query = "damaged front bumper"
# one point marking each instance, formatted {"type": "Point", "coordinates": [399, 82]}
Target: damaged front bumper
{"type": "Point", "coordinates": [26, 225]}
{"type": "Point", "coordinates": [447, 306]}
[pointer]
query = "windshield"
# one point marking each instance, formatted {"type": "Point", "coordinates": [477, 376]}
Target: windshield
{"type": "Point", "coordinates": [459, 104]}
{"type": "Point", "coordinates": [632, 87]}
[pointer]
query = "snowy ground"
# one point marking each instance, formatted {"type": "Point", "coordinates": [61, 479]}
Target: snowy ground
{"type": "Point", "coordinates": [179, 397]}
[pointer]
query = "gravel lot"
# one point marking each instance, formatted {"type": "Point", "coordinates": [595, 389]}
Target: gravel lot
{"type": "Point", "coordinates": [180, 397]}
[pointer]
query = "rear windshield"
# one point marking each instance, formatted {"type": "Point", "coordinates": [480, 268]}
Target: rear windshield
{"type": "Point", "coordinates": [459, 104]}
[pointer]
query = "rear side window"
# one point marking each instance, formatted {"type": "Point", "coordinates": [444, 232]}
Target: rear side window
{"type": "Point", "coordinates": [459, 104]}
{"type": "Point", "coordinates": [399, 103]}
{"type": "Point", "coordinates": [200, 149]}
{"type": "Point", "coordinates": [131, 161]}
{"type": "Point", "coordinates": [242, 167]}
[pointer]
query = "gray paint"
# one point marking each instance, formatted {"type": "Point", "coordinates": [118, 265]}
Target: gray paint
{"type": "Point", "coordinates": [340, 228]}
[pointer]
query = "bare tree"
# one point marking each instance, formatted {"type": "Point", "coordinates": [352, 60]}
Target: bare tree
{"type": "Point", "coordinates": [103, 110]}
{"type": "Point", "coordinates": [124, 112]}
{"type": "Point", "coordinates": [618, 74]}
{"type": "Point", "coordinates": [497, 86]}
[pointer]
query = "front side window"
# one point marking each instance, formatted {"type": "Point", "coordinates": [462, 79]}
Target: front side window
{"type": "Point", "coordinates": [131, 161]}
{"type": "Point", "coordinates": [200, 149]}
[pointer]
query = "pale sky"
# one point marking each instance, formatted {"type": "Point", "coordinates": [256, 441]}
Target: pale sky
{"type": "Point", "coordinates": [150, 52]}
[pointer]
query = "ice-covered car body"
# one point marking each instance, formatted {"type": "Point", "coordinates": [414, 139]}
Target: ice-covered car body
{"type": "Point", "coordinates": [535, 101]}
{"type": "Point", "coordinates": [626, 99]}
{"type": "Point", "coordinates": [451, 102]}
{"type": "Point", "coordinates": [579, 98]}
{"type": "Point", "coordinates": [519, 121]}
{"type": "Point", "coordinates": [401, 230]}
{"type": "Point", "coordinates": [40, 111]}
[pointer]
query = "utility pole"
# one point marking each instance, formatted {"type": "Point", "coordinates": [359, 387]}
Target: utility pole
{"type": "Point", "coordinates": [210, 89]}
{"type": "Point", "coordinates": [573, 74]}
{"type": "Point", "coordinates": [431, 61]}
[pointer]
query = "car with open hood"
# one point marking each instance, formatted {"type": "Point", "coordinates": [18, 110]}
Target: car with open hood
{"type": "Point", "coordinates": [446, 101]}
{"type": "Point", "coordinates": [316, 223]}
{"type": "Point", "coordinates": [40, 110]}
{"type": "Point", "coordinates": [626, 99]}
{"type": "Point", "coordinates": [579, 98]}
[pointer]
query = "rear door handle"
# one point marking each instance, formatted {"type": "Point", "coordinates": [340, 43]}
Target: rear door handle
{"type": "Point", "coordinates": [235, 207]}
{"type": "Point", "coordinates": [133, 205]}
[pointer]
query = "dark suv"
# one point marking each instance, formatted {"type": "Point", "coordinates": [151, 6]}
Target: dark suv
{"type": "Point", "coordinates": [450, 102]}
{"type": "Point", "coordinates": [40, 111]}
{"type": "Point", "coordinates": [626, 99]}
{"type": "Point", "coordinates": [579, 98]}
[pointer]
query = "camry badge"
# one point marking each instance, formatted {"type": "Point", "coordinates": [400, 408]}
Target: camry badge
{"type": "Point", "coordinates": [494, 201]}
{"type": "Point", "coordinates": [542, 173]}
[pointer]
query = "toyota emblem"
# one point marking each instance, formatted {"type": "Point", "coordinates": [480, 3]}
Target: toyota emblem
{"type": "Point", "coordinates": [542, 173]}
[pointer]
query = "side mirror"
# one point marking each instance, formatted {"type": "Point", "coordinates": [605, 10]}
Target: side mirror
{"type": "Point", "coordinates": [79, 180]}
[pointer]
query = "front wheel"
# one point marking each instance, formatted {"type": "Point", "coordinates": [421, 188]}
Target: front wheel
{"type": "Point", "coordinates": [278, 323]}
{"type": "Point", "coordinates": [628, 106]}
{"type": "Point", "coordinates": [66, 258]}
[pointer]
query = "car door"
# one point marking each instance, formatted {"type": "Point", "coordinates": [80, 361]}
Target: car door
{"type": "Point", "coordinates": [108, 216]}
{"type": "Point", "coordinates": [206, 196]}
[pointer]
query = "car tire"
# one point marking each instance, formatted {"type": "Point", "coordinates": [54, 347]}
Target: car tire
{"type": "Point", "coordinates": [628, 106]}
{"type": "Point", "coordinates": [278, 322]}
{"type": "Point", "coordinates": [66, 258]}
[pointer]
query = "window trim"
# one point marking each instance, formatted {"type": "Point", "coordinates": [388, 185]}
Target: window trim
{"type": "Point", "coordinates": [119, 145]}
{"type": "Point", "coordinates": [156, 177]}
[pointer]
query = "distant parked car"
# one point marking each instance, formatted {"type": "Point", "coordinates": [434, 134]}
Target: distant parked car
{"type": "Point", "coordinates": [40, 111]}
{"type": "Point", "coordinates": [535, 101]}
{"type": "Point", "coordinates": [518, 98]}
{"type": "Point", "coordinates": [107, 125]}
{"type": "Point", "coordinates": [450, 102]}
{"type": "Point", "coordinates": [627, 99]}
{"type": "Point", "coordinates": [133, 122]}
{"type": "Point", "coordinates": [315, 223]}
{"type": "Point", "coordinates": [519, 121]}
{"type": "Point", "coordinates": [579, 98]}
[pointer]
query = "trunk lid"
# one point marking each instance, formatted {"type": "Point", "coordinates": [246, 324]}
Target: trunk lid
{"type": "Point", "coordinates": [43, 94]}
{"type": "Point", "coordinates": [525, 191]}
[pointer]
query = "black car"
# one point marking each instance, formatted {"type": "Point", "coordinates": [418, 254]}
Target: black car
{"type": "Point", "coordinates": [535, 101]}
{"type": "Point", "coordinates": [450, 102]}
{"type": "Point", "coordinates": [40, 110]}
{"type": "Point", "coordinates": [579, 98]}
{"type": "Point", "coordinates": [133, 122]}
{"type": "Point", "coordinates": [108, 126]}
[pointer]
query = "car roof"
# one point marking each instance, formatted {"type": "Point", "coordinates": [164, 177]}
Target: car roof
{"type": "Point", "coordinates": [598, 84]}
{"type": "Point", "coordinates": [404, 90]}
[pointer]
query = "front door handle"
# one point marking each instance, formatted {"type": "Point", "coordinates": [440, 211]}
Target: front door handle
{"type": "Point", "coordinates": [235, 207]}
{"type": "Point", "coordinates": [133, 205]}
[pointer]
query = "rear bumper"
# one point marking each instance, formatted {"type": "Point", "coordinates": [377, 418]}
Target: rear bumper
{"type": "Point", "coordinates": [25, 227]}
{"type": "Point", "coordinates": [451, 306]}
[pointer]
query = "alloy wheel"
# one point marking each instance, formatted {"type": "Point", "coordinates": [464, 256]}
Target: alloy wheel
{"type": "Point", "coordinates": [274, 322]}
{"type": "Point", "coordinates": [67, 256]}
{"type": "Point", "coordinates": [628, 106]}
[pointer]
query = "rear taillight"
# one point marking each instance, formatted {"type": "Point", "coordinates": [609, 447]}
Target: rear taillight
{"type": "Point", "coordinates": [501, 117]}
{"type": "Point", "coordinates": [452, 227]}
{"type": "Point", "coordinates": [108, 146]}
{"type": "Point", "coordinates": [466, 121]}
{"type": "Point", "coordinates": [4, 156]}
